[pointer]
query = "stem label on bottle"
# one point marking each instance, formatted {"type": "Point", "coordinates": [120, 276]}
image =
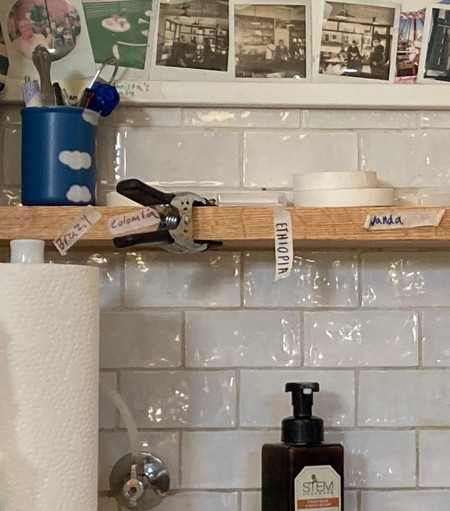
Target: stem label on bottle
{"type": "Point", "coordinates": [318, 488]}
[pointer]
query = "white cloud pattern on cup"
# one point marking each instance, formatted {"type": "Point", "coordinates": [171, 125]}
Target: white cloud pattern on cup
{"type": "Point", "coordinates": [90, 117]}
{"type": "Point", "coordinates": [78, 193]}
{"type": "Point", "coordinates": [76, 160]}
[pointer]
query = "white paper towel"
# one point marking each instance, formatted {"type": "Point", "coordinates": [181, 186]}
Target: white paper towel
{"type": "Point", "coordinates": [49, 316]}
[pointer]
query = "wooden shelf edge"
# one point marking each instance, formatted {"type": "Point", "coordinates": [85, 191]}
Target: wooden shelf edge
{"type": "Point", "coordinates": [320, 227]}
{"type": "Point", "coordinates": [49, 222]}
{"type": "Point", "coordinates": [238, 226]}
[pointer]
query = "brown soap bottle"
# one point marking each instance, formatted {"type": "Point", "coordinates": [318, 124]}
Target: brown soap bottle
{"type": "Point", "coordinates": [302, 472]}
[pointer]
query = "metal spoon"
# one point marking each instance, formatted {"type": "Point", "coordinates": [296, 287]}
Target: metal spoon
{"type": "Point", "coordinates": [42, 61]}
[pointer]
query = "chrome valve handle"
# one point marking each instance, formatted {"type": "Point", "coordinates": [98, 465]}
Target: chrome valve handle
{"type": "Point", "coordinates": [139, 484]}
{"type": "Point", "coordinates": [133, 489]}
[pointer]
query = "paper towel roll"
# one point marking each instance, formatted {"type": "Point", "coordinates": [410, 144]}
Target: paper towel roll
{"type": "Point", "coordinates": [335, 180]}
{"type": "Point", "coordinates": [49, 387]}
{"type": "Point", "coordinates": [343, 198]}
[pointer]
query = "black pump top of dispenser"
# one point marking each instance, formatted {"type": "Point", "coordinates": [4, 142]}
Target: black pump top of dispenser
{"type": "Point", "coordinates": [302, 427]}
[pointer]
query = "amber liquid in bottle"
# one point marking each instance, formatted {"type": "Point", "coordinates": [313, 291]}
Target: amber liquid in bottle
{"type": "Point", "coordinates": [283, 462]}
{"type": "Point", "coordinates": [302, 472]}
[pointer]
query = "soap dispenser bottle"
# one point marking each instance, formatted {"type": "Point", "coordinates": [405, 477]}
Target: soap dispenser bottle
{"type": "Point", "coordinates": [302, 472]}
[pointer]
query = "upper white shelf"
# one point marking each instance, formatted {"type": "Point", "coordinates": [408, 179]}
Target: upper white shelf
{"type": "Point", "coordinates": [271, 94]}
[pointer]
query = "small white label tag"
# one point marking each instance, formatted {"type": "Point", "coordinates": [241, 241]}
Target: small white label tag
{"type": "Point", "coordinates": [77, 229]}
{"type": "Point", "coordinates": [133, 221]}
{"type": "Point", "coordinates": [404, 219]}
{"type": "Point", "coordinates": [284, 247]}
{"type": "Point", "coordinates": [318, 488]}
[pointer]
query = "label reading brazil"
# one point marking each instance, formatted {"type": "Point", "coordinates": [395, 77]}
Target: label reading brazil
{"type": "Point", "coordinates": [318, 487]}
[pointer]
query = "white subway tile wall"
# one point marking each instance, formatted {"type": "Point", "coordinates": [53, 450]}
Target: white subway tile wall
{"type": "Point", "coordinates": [409, 398]}
{"type": "Point", "coordinates": [360, 119]}
{"type": "Point", "coordinates": [405, 500]}
{"type": "Point", "coordinates": [181, 399]}
{"type": "Point", "coordinates": [361, 338]}
{"type": "Point", "coordinates": [240, 118]}
{"type": "Point", "coordinates": [405, 279]}
{"type": "Point", "coordinates": [196, 157]}
{"type": "Point", "coordinates": [433, 458]}
{"type": "Point", "coordinates": [197, 500]}
{"type": "Point", "coordinates": [140, 339]}
{"type": "Point", "coordinates": [435, 337]}
{"type": "Point", "coordinates": [415, 159]}
{"type": "Point", "coordinates": [201, 346]}
{"type": "Point", "coordinates": [223, 459]}
{"type": "Point", "coordinates": [271, 157]}
{"type": "Point", "coordinates": [159, 279]}
{"type": "Point", "coordinates": [255, 338]}
{"type": "Point", "coordinates": [378, 459]}
{"type": "Point", "coordinates": [319, 279]}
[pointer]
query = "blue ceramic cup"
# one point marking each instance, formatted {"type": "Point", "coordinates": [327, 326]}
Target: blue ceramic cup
{"type": "Point", "coordinates": [58, 156]}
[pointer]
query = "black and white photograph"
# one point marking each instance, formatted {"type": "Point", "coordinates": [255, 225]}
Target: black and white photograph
{"type": "Point", "coordinates": [194, 34]}
{"type": "Point", "coordinates": [359, 41]}
{"type": "Point", "coordinates": [435, 58]}
{"type": "Point", "coordinates": [270, 41]}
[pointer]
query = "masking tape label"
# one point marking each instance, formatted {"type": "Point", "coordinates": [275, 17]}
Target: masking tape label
{"type": "Point", "coordinates": [133, 221]}
{"type": "Point", "coordinates": [77, 229]}
{"type": "Point", "coordinates": [284, 247]}
{"type": "Point", "coordinates": [404, 219]}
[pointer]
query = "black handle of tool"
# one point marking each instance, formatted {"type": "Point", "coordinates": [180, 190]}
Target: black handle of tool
{"type": "Point", "coordinates": [146, 195]}
{"type": "Point", "coordinates": [154, 238]}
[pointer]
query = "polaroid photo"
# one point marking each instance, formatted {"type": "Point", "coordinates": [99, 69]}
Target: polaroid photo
{"type": "Point", "coordinates": [193, 41]}
{"type": "Point", "coordinates": [59, 25]}
{"type": "Point", "coordinates": [410, 36]}
{"type": "Point", "coordinates": [4, 61]}
{"type": "Point", "coordinates": [121, 29]}
{"type": "Point", "coordinates": [358, 42]}
{"type": "Point", "coordinates": [272, 40]}
{"type": "Point", "coordinates": [434, 65]}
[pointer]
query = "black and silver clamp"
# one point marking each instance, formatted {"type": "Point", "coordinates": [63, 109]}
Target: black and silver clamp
{"type": "Point", "coordinates": [175, 232]}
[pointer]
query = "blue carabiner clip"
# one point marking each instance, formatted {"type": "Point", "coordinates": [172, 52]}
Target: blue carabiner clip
{"type": "Point", "coordinates": [105, 98]}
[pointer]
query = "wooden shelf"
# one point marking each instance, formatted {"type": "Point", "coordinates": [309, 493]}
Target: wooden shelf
{"type": "Point", "coordinates": [238, 227]}
{"type": "Point", "coordinates": [316, 228]}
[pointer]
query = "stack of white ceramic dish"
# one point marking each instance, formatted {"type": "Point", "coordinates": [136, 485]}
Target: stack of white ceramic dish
{"type": "Point", "coordinates": [340, 189]}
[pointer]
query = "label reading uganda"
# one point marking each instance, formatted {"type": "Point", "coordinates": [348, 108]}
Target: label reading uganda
{"type": "Point", "coordinates": [318, 488]}
{"type": "Point", "coordinates": [404, 219]}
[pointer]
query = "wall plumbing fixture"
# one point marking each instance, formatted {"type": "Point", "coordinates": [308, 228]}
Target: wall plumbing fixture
{"type": "Point", "coordinates": [139, 484]}
{"type": "Point", "coordinates": [139, 480]}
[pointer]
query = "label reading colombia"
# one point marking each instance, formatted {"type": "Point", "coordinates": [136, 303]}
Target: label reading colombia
{"type": "Point", "coordinates": [318, 487]}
